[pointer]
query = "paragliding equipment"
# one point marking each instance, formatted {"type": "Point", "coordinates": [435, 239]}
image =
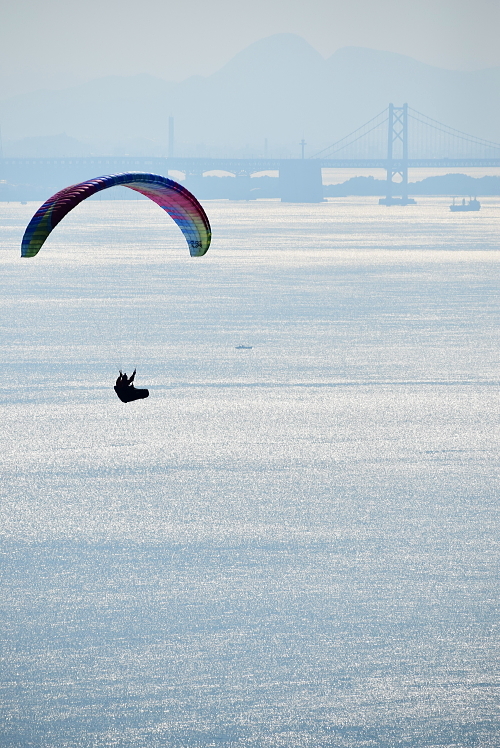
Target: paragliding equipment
{"type": "Point", "coordinates": [176, 200]}
{"type": "Point", "coordinates": [125, 389]}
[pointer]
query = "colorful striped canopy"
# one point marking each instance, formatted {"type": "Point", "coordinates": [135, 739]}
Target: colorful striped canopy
{"type": "Point", "coordinates": [175, 199]}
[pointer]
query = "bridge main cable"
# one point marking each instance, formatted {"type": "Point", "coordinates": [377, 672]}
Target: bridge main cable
{"type": "Point", "coordinates": [328, 148]}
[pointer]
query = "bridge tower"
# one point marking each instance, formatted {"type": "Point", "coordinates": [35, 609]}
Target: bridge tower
{"type": "Point", "coordinates": [397, 156]}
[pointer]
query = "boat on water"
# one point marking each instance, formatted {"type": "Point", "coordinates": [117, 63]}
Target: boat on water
{"type": "Point", "coordinates": [462, 207]}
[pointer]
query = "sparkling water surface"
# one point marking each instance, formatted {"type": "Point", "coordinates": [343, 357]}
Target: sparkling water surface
{"type": "Point", "coordinates": [290, 545]}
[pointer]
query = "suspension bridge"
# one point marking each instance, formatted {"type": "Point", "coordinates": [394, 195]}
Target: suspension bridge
{"type": "Point", "coordinates": [397, 139]}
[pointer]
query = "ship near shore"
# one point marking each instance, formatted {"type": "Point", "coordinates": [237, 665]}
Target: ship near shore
{"type": "Point", "coordinates": [463, 206]}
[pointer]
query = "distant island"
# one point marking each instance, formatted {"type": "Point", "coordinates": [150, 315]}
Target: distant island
{"type": "Point", "coordinates": [255, 188]}
{"type": "Point", "coordinates": [447, 184]}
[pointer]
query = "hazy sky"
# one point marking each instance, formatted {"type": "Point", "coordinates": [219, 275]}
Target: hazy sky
{"type": "Point", "coordinates": [55, 43]}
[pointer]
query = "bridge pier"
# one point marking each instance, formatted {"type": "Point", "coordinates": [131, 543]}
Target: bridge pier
{"type": "Point", "coordinates": [300, 181]}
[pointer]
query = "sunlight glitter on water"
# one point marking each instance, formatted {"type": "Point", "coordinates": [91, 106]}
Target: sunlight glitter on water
{"type": "Point", "coordinates": [288, 545]}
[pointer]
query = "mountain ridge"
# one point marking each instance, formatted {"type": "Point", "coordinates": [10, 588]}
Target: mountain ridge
{"type": "Point", "coordinates": [278, 89]}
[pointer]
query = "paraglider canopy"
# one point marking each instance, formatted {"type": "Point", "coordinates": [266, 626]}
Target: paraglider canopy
{"type": "Point", "coordinates": [175, 199]}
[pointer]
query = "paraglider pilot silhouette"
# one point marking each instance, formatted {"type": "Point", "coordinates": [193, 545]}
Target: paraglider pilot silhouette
{"type": "Point", "coordinates": [175, 199]}
{"type": "Point", "coordinates": [125, 389]}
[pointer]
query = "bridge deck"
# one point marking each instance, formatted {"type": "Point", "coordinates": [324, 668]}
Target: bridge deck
{"type": "Point", "coordinates": [198, 166]}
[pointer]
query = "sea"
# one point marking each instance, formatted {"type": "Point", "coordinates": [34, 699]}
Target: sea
{"type": "Point", "coordinates": [294, 541]}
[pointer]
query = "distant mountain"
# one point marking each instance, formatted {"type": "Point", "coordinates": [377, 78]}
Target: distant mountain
{"type": "Point", "coordinates": [49, 146]}
{"type": "Point", "coordinates": [369, 80]}
{"type": "Point", "coordinates": [278, 89]}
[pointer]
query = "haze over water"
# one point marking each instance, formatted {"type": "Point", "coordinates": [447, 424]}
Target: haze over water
{"type": "Point", "coordinates": [290, 545]}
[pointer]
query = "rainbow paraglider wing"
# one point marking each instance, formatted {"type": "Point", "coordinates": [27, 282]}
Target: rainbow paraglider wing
{"type": "Point", "coordinates": [175, 199]}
